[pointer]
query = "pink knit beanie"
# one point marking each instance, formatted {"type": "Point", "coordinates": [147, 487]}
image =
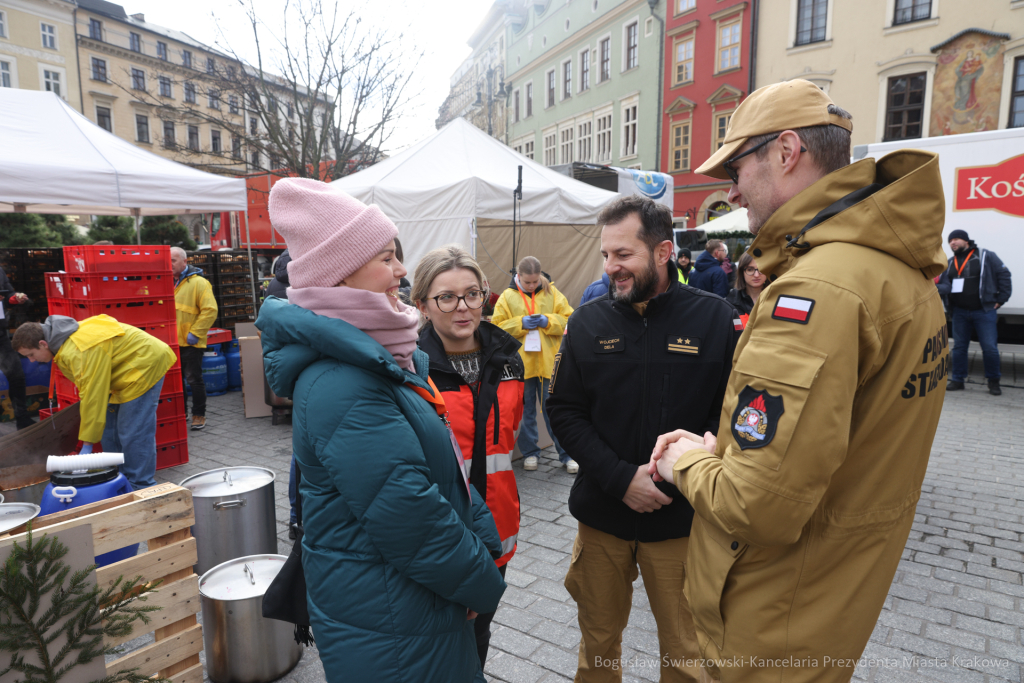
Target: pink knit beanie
{"type": "Point", "coordinates": [330, 234]}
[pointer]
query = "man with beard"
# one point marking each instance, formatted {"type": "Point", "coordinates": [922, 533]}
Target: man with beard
{"type": "Point", "coordinates": [652, 356]}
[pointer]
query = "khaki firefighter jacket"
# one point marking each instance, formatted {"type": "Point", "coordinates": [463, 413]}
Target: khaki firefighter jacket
{"type": "Point", "coordinates": [837, 385]}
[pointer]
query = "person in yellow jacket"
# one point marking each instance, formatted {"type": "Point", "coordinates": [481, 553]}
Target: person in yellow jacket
{"type": "Point", "coordinates": [196, 311]}
{"type": "Point", "coordinates": [535, 313]}
{"type": "Point", "coordinates": [119, 371]}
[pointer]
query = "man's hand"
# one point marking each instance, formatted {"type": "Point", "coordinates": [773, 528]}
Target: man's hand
{"type": "Point", "coordinates": [470, 614]}
{"type": "Point", "coordinates": [670, 447]}
{"type": "Point", "coordinates": [642, 495]}
{"type": "Point", "coordinates": [997, 306]}
{"type": "Point", "coordinates": [191, 339]}
{"type": "Point", "coordinates": [22, 298]}
{"type": "Point", "coordinates": [85, 449]}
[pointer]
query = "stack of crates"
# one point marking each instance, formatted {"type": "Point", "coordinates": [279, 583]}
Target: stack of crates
{"type": "Point", "coordinates": [26, 268]}
{"type": "Point", "coordinates": [232, 287]}
{"type": "Point", "coordinates": [135, 286]}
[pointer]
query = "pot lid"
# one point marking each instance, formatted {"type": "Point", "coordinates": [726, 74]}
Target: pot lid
{"type": "Point", "coordinates": [13, 515]}
{"type": "Point", "coordinates": [228, 481]}
{"type": "Point", "coordinates": [241, 578]}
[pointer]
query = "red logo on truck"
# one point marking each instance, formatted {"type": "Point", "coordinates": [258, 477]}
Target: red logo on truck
{"type": "Point", "coordinates": [999, 187]}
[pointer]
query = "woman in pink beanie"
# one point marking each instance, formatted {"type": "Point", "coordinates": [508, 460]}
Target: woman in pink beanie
{"type": "Point", "coordinates": [398, 550]}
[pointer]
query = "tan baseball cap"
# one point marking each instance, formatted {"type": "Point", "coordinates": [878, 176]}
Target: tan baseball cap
{"type": "Point", "coordinates": [773, 109]}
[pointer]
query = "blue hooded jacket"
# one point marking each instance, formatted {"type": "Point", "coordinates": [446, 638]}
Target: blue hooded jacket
{"type": "Point", "coordinates": [596, 289]}
{"type": "Point", "coordinates": [396, 546]}
{"type": "Point", "coordinates": [707, 274]}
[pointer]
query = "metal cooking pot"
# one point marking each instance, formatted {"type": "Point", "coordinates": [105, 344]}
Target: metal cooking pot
{"type": "Point", "coordinates": [234, 509]}
{"type": "Point", "coordinates": [14, 515]}
{"type": "Point", "coordinates": [242, 646]}
{"type": "Point", "coordinates": [33, 493]}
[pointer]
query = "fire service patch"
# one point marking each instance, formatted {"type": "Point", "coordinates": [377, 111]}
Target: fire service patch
{"type": "Point", "coordinates": [755, 418]}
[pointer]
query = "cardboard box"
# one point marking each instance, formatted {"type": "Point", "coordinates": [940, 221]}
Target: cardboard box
{"type": "Point", "coordinates": [251, 349]}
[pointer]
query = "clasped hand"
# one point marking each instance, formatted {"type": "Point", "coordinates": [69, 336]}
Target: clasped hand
{"type": "Point", "coordinates": [670, 447]}
{"type": "Point", "coordinates": [532, 322]}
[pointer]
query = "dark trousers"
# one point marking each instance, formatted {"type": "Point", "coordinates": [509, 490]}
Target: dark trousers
{"type": "Point", "coordinates": [482, 628]}
{"type": "Point", "coordinates": [982, 321]}
{"type": "Point", "coordinates": [10, 365]}
{"type": "Point", "coordinates": [192, 375]}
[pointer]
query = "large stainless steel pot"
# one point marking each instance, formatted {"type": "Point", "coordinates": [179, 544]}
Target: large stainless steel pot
{"type": "Point", "coordinates": [234, 509]}
{"type": "Point", "coordinates": [33, 493]}
{"type": "Point", "coordinates": [242, 646]}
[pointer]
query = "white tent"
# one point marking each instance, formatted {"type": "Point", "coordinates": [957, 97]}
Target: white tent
{"type": "Point", "coordinates": [54, 160]}
{"type": "Point", "coordinates": [456, 186]}
{"type": "Point", "coordinates": [735, 220]}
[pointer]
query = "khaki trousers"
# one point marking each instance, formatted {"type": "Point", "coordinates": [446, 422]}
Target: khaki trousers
{"type": "Point", "coordinates": [600, 580]}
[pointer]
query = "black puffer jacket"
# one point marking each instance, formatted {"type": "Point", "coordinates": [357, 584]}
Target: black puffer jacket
{"type": "Point", "coordinates": [279, 285]}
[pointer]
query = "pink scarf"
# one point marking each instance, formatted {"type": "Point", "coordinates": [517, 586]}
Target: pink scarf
{"type": "Point", "coordinates": [371, 312]}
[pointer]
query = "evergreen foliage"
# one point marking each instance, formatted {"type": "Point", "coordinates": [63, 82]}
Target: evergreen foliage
{"type": "Point", "coordinates": [68, 233]}
{"type": "Point", "coordinates": [26, 230]}
{"type": "Point", "coordinates": [37, 570]}
{"type": "Point", "coordinates": [117, 229]}
{"type": "Point", "coordinates": [166, 230]}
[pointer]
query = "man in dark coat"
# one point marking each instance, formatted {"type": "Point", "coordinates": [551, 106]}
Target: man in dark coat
{"type": "Point", "coordinates": [10, 362]}
{"type": "Point", "coordinates": [707, 272]}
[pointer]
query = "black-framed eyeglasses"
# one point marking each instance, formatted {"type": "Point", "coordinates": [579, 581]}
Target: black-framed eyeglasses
{"type": "Point", "coordinates": [733, 174]}
{"type": "Point", "coordinates": [446, 303]}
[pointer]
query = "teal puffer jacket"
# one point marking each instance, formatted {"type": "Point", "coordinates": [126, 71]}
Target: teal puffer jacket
{"type": "Point", "coordinates": [395, 548]}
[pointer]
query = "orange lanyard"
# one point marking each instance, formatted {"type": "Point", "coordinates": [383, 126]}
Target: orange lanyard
{"type": "Point", "coordinates": [960, 268]}
{"type": "Point", "coordinates": [435, 399]}
{"type": "Point", "coordinates": [529, 309]}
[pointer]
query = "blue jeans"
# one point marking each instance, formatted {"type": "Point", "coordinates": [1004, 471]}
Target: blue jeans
{"type": "Point", "coordinates": [131, 429]}
{"type": "Point", "coordinates": [983, 322]}
{"type": "Point", "coordinates": [527, 440]}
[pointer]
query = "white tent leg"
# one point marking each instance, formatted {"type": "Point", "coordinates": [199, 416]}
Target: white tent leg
{"type": "Point", "coordinates": [248, 248]}
{"type": "Point", "coordinates": [138, 226]}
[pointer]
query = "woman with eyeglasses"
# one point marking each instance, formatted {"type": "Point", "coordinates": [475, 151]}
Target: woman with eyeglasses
{"type": "Point", "coordinates": [476, 367]}
{"type": "Point", "coordinates": [749, 284]}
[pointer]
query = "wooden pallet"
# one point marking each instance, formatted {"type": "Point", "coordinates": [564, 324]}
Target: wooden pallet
{"type": "Point", "coordinates": [162, 516]}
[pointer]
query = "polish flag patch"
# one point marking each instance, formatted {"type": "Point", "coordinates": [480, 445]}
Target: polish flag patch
{"type": "Point", "coordinates": [795, 309]}
{"type": "Point", "coordinates": [737, 324]}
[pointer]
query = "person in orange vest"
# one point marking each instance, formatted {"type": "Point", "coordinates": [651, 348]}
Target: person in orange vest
{"type": "Point", "coordinates": [476, 367]}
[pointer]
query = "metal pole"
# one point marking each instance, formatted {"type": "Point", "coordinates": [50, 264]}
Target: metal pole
{"type": "Point", "coordinates": [490, 99]}
{"type": "Point", "coordinates": [138, 226]}
{"type": "Point", "coordinates": [248, 248]}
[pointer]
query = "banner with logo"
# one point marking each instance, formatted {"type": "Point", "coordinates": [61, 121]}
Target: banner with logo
{"type": "Point", "coordinates": [657, 186]}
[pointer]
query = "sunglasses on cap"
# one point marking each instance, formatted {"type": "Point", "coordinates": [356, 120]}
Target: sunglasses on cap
{"type": "Point", "coordinates": [733, 174]}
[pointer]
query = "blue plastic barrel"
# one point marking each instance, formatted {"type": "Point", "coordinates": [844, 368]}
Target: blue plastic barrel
{"type": "Point", "coordinates": [74, 489]}
{"type": "Point", "coordinates": [36, 374]}
{"type": "Point", "coordinates": [215, 373]}
{"type": "Point", "coordinates": [233, 355]}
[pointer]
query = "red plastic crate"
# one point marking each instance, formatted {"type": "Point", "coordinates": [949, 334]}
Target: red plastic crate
{"type": "Point", "coordinates": [62, 384]}
{"type": "Point", "coordinates": [45, 413]}
{"type": "Point", "coordinates": [64, 400]}
{"type": "Point", "coordinates": [117, 259]}
{"type": "Point", "coordinates": [58, 306]}
{"type": "Point", "coordinates": [108, 285]}
{"type": "Point", "coordinates": [143, 310]}
{"type": "Point", "coordinates": [167, 332]}
{"type": "Point", "coordinates": [172, 384]}
{"type": "Point", "coordinates": [170, 407]}
{"type": "Point", "coordinates": [171, 454]}
{"type": "Point", "coordinates": [217, 335]}
{"type": "Point", "coordinates": [171, 430]}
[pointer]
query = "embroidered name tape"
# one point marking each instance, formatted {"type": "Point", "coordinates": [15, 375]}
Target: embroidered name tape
{"type": "Point", "coordinates": [610, 344]}
{"type": "Point", "coordinates": [683, 344]}
{"type": "Point", "coordinates": [795, 309]}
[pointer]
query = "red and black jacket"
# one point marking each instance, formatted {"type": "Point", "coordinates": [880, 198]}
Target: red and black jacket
{"type": "Point", "coordinates": [485, 418]}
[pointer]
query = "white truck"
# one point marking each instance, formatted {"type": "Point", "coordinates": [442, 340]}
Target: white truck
{"type": "Point", "coordinates": [983, 180]}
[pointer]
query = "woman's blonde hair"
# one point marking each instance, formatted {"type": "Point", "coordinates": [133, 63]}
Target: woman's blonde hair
{"type": "Point", "coordinates": [439, 261]}
{"type": "Point", "coordinates": [531, 266]}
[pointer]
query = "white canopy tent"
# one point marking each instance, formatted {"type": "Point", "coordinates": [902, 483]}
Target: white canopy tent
{"type": "Point", "coordinates": [735, 220]}
{"type": "Point", "coordinates": [456, 186]}
{"type": "Point", "coordinates": [54, 160]}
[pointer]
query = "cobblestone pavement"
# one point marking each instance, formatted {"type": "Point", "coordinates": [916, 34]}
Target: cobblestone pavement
{"type": "Point", "coordinates": [955, 611]}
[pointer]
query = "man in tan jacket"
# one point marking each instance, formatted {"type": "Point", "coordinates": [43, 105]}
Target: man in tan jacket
{"type": "Point", "coordinates": [805, 500]}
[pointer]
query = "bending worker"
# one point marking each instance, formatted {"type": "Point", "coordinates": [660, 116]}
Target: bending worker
{"type": "Point", "coordinates": [119, 371]}
{"type": "Point", "coordinates": [196, 311]}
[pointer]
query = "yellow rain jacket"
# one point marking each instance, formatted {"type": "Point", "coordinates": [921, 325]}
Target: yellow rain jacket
{"type": "Point", "coordinates": [110, 362]}
{"type": "Point", "coordinates": [837, 384]}
{"type": "Point", "coordinates": [509, 313]}
{"type": "Point", "coordinates": [196, 307]}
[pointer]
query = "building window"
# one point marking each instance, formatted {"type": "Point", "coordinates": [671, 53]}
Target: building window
{"type": "Point", "coordinates": [515, 107]}
{"type": "Point", "coordinates": [141, 128]}
{"type": "Point", "coordinates": [3, 24]}
{"type": "Point", "coordinates": [161, 50]}
{"type": "Point", "coordinates": [291, 110]}
{"type": "Point", "coordinates": [551, 88]}
{"type": "Point", "coordinates": [912, 10]}
{"type": "Point", "coordinates": [190, 92]}
{"type": "Point", "coordinates": [231, 73]}
{"type": "Point", "coordinates": [529, 100]}
{"type": "Point", "coordinates": [193, 138]}
{"type": "Point", "coordinates": [629, 131]}
{"type": "Point", "coordinates": [49, 36]}
{"type": "Point", "coordinates": [606, 59]}
{"type": "Point", "coordinates": [1016, 119]}
{"type": "Point", "coordinates": [253, 125]}
{"type": "Point", "coordinates": [810, 21]}
{"type": "Point", "coordinates": [213, 98]}
{"type": "Point", "coordinates": [138, 79]}
{"type": "Point", "coordinates": [51, 81]}
{"type": "Point", "coordinates": [99, 69]}
{"type": "Point", "coordinates": [604, 138]}
{"type": "Point", "coordinates": [134, 42]}
{"type": "Point", "coordinates": [186, 59]}
{"type": "Point", "coordinates": [567, 146]}
{"type": "Point", "coordinates": [729, 46]}
{"type": "Point", "coordinates": [273, 161]}
{"type": "Point", "coordinates": [169, 134]}
{"type": "Point", "coordinates": [585, 70]}
{"type": "Point", "coordinates": [236, 147]}
{"type": "Point", "coordinates": [904, 110]}
{"type": "Point", "coordinates": [233, 104]}
{"type": "Point", "coordinates": [584, 141]}
{"type": "Point", "coordinates": [211, 65]}
{"type": "Point", "coordinates": [528, 150]}
{"type": "Point", "coordinates": [96, 29]}
{"type": "Point", "coordinates": [255, 160]}
{"type": "Point", "coordinates": [5, 74]}
{"type": "Point", "coordinates": [215, 141]}
{"type": "Point", "coordinates": [684, 5]}
{"type": "Point", "coordinates": [684, 61]}
{"type": "Point", "coordinates": [632, 45]}
{"type": "Point", "coordinates": [567, 80]}
{"type": "Point", "coordinates": [165, 86]}
{"type": "Point", "coordinates": [550, 148]}
{"type": "Point", "coordinates": [680, 152]}
{"type": "Point", "coordinates": [103, 119]}
{"type": "Point", "coordinates": [721, 126]}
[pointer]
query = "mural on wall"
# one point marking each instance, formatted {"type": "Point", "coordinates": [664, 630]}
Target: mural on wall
{"type": "Point", "coordinates": [968, 81]}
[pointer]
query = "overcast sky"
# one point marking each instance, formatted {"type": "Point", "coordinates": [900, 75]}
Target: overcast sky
{"type": "Point", "coordinates": [438, 27]}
